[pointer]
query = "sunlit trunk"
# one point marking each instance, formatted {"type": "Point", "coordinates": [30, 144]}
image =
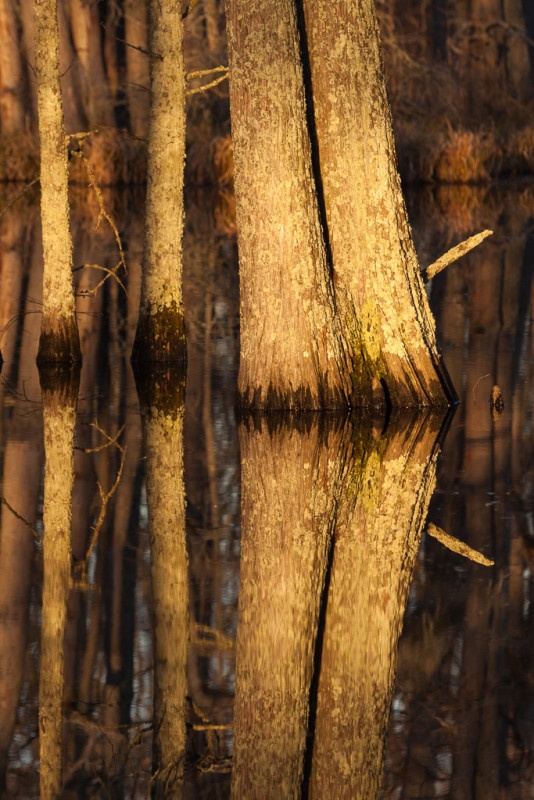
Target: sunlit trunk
{"type": "Point", "coordinates": [291, 479]}
{"type": "Point", "coordinates": [59, 415]}
{"type": "Point", "coordinates": [380, 519]}
{"type": "Point", "coordinates": [292, 352]}
{"type": "Point", "coordinates": [378, 288]}
{"type": "Point", "coordinates": [59, 335]}
{"type": "Point", "coordinates": [162, 412]}
{"type": "Point", "coordinates": [160, 331]}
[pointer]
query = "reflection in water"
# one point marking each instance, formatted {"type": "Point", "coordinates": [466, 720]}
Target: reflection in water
{"type": "Point", "coordinates": [162, 402]}
{"type": "Point", "coordinates": [316, 494]}
{"type": "Point", "coordinates": [462, 720]}
{"type": "Point", "coordinates": [59, 393]}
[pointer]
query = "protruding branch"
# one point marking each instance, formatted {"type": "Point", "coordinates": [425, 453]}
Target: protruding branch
{"type": "Point", "coordinates": [458, 546]}
{"type": "Point", "coordinates": [455, 253]}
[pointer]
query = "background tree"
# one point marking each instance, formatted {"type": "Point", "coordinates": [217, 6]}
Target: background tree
{"type": "Point", "coordinates": [160, 331]}
{"type": "Point", "coordinates": [59, 339]}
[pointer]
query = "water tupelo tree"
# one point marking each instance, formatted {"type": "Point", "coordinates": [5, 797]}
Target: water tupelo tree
{"type": "Point", "coordinates": [333, 308]}
{"type": "Point", "coordinates": [59, 340]}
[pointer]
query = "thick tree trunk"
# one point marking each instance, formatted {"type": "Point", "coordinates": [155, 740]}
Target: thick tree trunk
{"type": "Point", "coordinates": [378, 288]}
{"type": "Point", "coordinates": [161, 331]}
{"type": "Point", "coordinates": [292, 353]}
{"type": "Point", "coordinates": [59, 413]}
{"type": "Point", "coordinates": [162, 409]}
{"type": "Point", "coordinates": [59, 339]}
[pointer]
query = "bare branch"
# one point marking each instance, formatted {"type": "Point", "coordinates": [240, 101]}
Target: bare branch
{"type": "Point", "coordinates": [18, 516]}
{"type": "Point", "coordinates": [458, 546]}
{"type": "Point", "coordinates": [455, 253]}
{"type": "Point", "coordinates": [207, 86]}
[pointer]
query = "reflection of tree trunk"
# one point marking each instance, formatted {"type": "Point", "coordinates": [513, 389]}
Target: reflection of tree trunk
{"type": "Point", "coordinates": [59, 414]}
{"type": "Point", "coordinates": [162, 408]}
{"type": "Point", "coordinates": [380, 519]}
{"type": "Point", "coordinates": [290, 480]}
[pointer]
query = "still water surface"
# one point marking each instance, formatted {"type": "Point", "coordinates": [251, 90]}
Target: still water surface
{"type": "Point", "coordinates": [258, 630]}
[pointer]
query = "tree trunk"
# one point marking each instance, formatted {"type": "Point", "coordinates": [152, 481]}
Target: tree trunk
{"type": "Point", "coordinates": [292, 352]}
{"type": "Point", "coordinates": [161, 331]}
{"type": "Point", "coordinates": [378, 289]}
{"type": "Point", "coordinates": [59, 413]}
{"type": "Point", "coordinates": [137, 65]}
{"type": "Point", "coordinates": [59, 340]}
{"type": "Point", "coordinates": [162, 411]}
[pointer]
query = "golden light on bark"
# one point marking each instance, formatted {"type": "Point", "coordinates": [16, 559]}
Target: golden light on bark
{"type": "Point", "coordinates": [160, 331]}
{"type": "Point", "coordinates": [59, 341]}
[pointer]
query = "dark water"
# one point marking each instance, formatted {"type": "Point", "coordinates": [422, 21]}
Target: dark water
{"type": "Point", "coordinates": [334, 524]}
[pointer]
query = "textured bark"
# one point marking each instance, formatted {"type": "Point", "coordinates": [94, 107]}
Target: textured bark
{"type": "Point", "coordinates": [162, 410]}
{"type": "Point", "coordinates": [290, 483]}
{"type": "Point", "coordinates": [292, 354]}
{"type": "Point", "coordinates": [59, 413]}
{"type": "Point", "coordinates": [59, 336]}
{"type": "Point", "coordinates": [381, 514]}
{"type": "Point", "coordinates": [379, 291]}
{"type": "Point", "coordinates": [161, 332]}
{"type": "Point", "coordinates": [11, 72]}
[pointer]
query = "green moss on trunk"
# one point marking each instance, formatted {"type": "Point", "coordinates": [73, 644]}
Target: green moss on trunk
{"type": "Point", "coordinates": [160, 336]}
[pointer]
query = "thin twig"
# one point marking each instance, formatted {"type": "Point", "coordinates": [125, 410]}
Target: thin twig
{"type": "Point", "coordinates": [19, 195]}
{"type": "Point", "coordinates": [455, 253]}
{"type": "Point", "coordinates": [110, 440]}
{"type": "Point", "coordinates": [478, 381]}
{"type": "Point", "coordinates": [18, 516]}
{"type": "Point", "coordinates": [112, 273]}
{"type": "Point", "coordinates": [203, 72]}
{"type": "Point", "coordinates": [207, 86]}
{"type": "Point", "coordinates": [105, 499]}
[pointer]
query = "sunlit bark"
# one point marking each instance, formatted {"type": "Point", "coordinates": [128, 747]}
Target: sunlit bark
{"type": "Point", "coordinates": [291, 479]}
{"type": "Point", "coordinates": [160, 331]}
{"type": "Point", "coordinates": [59, 335]}
{"type": "Point", "coordinates": [380, 518]}
{"type": "Point", "coordinates": [162, 412]}
{"type": "Point", "coordinates": [378, 288]}
{"type": "Point", "coordinates": [292, 352]}
{"type": "Point", "coordinates": [59, 414]}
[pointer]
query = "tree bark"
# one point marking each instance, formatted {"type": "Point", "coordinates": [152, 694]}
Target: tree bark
{"type": "Point", "coordinates": [59, 340]}
{"type": "Point", "coordinates": [161, 330]}
{"type": "Point", "coordinates": [292, 352]}
{"type": "Point", "coordinates": [378, 288]}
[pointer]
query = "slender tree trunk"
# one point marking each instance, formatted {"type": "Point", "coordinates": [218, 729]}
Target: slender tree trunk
{"type": "Point", "coordinates": [379, 291]}
{"type": "Point", "coordinates": [162, 410]}
{"type": "Point", "coordinates": [292, 354]}
{"type": "Point", "coordinates": [59, 340]}
{"type": "Point", "coordinates": [161, 331]}
{"type": "Point", "coordinates": [59, 412]}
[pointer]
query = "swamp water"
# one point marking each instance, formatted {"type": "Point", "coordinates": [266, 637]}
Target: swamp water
{"type": "Point", "coordinates": [255, 625]}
